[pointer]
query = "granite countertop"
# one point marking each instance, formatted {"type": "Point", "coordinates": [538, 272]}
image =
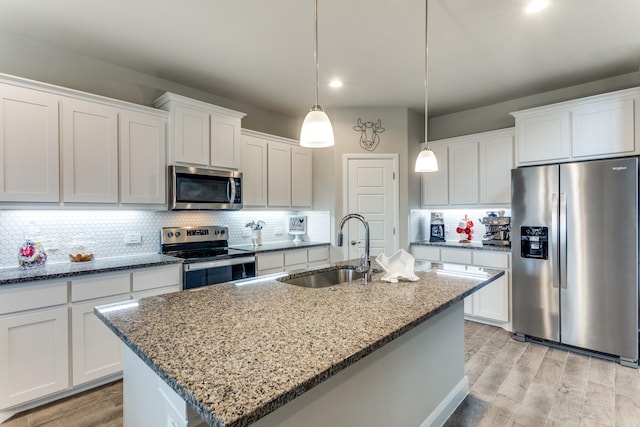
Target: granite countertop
{"type": "Point", "coordinates": [12, 275]}
{"type": "Point", "coordinates": [279, 246]}
{"type": "Point", "coordinates": [236, 353]}
{"type": "Point", "coordinates": [455, 244]}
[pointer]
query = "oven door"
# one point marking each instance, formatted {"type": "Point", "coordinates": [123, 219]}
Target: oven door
{"type": "Point", "coordinates": [198, 274]}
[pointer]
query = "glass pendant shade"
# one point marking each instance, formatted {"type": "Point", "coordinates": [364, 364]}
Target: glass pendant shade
{"type": "Point", "coordinates": [426, 161]}
{"type": "Point", "coordinates": [316, 131]}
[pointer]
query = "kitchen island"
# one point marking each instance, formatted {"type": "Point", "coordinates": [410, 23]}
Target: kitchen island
{"type": "Point", "coordinates": [271, 353]}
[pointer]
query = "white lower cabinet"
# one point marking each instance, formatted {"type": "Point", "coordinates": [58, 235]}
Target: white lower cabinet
{"type": "Point", "coordinates": [490, 304]}
{"type": "Point", "coordinates": [147, 282]}
{"type": "Point", "coordinates": [96, 351]}
{"type": "Point", "coordinates": [34, 341]}
{"type": "Point", "coordinates": [290, 260]}
{"type": "Point", "coordinates": [52, 342]}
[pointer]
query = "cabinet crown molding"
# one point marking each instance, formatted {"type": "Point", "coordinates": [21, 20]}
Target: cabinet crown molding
{"type": "Point", "coordinates": [72, 93]}
{"type": "Point", "coordinates": [174, 97]}
{"type": "Point", "coordinates": [634, 91]}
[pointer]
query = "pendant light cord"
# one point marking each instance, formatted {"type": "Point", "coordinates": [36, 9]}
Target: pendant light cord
{"type": "Point", "coordinates": [426, 80]}
{"type": "Point", "coordinates": [315, 55]}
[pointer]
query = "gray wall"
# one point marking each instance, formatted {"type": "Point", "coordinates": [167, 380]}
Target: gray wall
{"type": "Point", "coordinates": [33, 60]}
{"type": "Point", "coordinates": [404, 129]}
{"type": "Point", "coordinates": [497, 116]}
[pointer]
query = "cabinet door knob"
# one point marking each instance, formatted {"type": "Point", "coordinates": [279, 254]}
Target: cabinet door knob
{"type": "Point", "coordinates": [353, 242]}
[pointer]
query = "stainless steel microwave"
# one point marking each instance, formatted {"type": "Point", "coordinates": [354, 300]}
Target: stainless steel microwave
{"type": "Point", "coordinates": [193, 188]}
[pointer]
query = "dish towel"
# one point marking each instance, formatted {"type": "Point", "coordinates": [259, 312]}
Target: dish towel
{"type": "Point", "coordinates": [398, 266]}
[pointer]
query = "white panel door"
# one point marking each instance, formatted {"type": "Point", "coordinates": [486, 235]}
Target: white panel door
{"type": "Point", "coordinates": [143, 167]}
{"type": "Point", "coordinates": [29, 162]}
{"type": "Point", "coordinates": [373, 193]}
{"type": "Point", "coordinates": [89, 152]}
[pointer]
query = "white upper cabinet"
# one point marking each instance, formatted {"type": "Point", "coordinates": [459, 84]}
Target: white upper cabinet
{"type": "Point", "coordinates": [190, 135]}
{"type": "Point", "coordinates": [29, 145]}
{"type": "Point", "coordinates": [463, 173]}
{"type": "Point", "coordinates": [225, 141]}
{"type": "Point", "coordinates": [595, 127]}
{"type": "Point", "coordinates": [89, 152]}
{"type": "Point", "coordinates": [435, 185]}
{"type": "Point", "coordinates": [495, 155]}
{"type": "Point", "coordinates": [202, 134]}
{"type": "Point", "coordinates": [472, 170]}
{"type": "Point", "coordinates": [279, 174]}
{"type": "Point", "coordinates": [276, 172]}
{"type": "Point", "coordinates": [142, 158]}
{"type": "Point", "coordinates": [254, 171]}
{"type": "Point", "coordinates": [301, 177]}
{"type": "Point", "coordinates": [604, 128]}
{"type": "Point", "coordinates": [544, 137]}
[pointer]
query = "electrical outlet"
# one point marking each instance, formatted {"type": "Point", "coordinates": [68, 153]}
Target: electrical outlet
{"type": "Point", "coordinates": [246, 232]}
{"type": "Point", "coordinates": [132, 239]}
{"type": "Point", "coordinates": [278, 231]}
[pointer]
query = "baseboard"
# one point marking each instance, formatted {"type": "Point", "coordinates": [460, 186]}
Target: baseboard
{"type": "Point", "coordinates": [7, 413]}
{"type": "Point", "coordinates": [448, 405]}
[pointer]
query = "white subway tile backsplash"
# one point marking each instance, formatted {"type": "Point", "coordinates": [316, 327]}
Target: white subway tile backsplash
{"type": "Point", "coordinates": [103, 231]}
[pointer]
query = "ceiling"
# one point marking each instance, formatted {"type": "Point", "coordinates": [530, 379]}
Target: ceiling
{"type": "Point", "coordinates": [261, 52]}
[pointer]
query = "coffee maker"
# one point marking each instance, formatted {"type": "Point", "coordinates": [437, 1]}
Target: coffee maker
{"type": "Point", "coordinates": [497, 230]}
{"type": "Point", "coordinates": [437, 227]}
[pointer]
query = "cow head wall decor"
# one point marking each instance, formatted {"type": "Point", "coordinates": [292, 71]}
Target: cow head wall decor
{"type": "Point", "coordinates": [369, 134]}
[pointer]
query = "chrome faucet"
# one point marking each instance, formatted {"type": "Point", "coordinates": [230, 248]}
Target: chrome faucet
{"type": "Point", "coordinates": [365, 262]}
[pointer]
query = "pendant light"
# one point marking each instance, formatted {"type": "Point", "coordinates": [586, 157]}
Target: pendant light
{"type": "Point", "coordinates": [426, 161]}
{"type": "Point", "coordinates": [316, 131]}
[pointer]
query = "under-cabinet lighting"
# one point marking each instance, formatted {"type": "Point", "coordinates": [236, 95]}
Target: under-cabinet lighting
{"type": "Point", "coordinates": [335, 84]}
{"type": "Point", "coordinates": [260, 279]}
{"type": "Point", "coordinates": [118, 307]}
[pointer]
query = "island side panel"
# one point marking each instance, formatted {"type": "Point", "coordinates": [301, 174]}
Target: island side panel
{"type": "Point", "coordinates": [416, 380]}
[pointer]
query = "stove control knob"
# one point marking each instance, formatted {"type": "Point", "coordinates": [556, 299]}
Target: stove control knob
{"type": "Point", "coordinates": [216, 232]}
{"type": "Point", "coordinates": [177, 234]}
{"type": "Point", "coordinates": [221, 231]}
{"type": "Point", "coordinates": [170, 234]}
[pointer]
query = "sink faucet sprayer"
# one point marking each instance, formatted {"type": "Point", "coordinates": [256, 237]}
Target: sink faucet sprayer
{"type": "Point", "coordinates": [365, 263]}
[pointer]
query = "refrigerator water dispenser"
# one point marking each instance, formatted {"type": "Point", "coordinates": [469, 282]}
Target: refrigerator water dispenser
{"type": "Point", "coordinates": [534, 242]}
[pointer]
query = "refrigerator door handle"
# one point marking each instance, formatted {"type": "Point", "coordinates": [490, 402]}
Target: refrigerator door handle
{"type": "Point", "coordinates": [563, 240]}
{"type": "Point", "coordinates": [554, 239]}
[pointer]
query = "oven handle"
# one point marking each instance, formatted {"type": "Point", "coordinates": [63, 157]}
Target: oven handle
{"type": "Point", "coordinates": [219, 263]}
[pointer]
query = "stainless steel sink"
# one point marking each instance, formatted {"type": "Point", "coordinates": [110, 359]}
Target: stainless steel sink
{"type": "Point", "coordinates": [324, 279]}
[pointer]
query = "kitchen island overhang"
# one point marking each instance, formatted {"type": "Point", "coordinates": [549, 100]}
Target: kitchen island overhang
{"type": "Point", "coordinates": [236, 354]}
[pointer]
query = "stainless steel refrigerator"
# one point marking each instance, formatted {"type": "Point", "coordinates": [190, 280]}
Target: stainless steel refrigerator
{"type": "Point", "coordinates": [575, 255]}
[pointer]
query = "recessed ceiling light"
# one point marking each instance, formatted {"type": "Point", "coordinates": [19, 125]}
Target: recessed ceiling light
{"type": "Point", "coordinates": [536, 6]}
{"type": "Point", "coordinates": [335, 83]}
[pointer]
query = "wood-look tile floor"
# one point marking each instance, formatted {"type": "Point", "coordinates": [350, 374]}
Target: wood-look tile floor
{"type": "Point", "coordinates": [525, 384]}
{"type": "Point", "coordinates": [511, 384]}
{"type": "Point", "coordinates": [100, 407]}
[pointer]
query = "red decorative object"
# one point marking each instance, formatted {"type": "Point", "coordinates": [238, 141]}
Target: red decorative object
{"type": "Point", "coordinates": [465, 226]}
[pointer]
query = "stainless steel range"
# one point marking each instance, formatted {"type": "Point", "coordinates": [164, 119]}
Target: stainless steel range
{"type": "Point", "coordinates": [208, 260]}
